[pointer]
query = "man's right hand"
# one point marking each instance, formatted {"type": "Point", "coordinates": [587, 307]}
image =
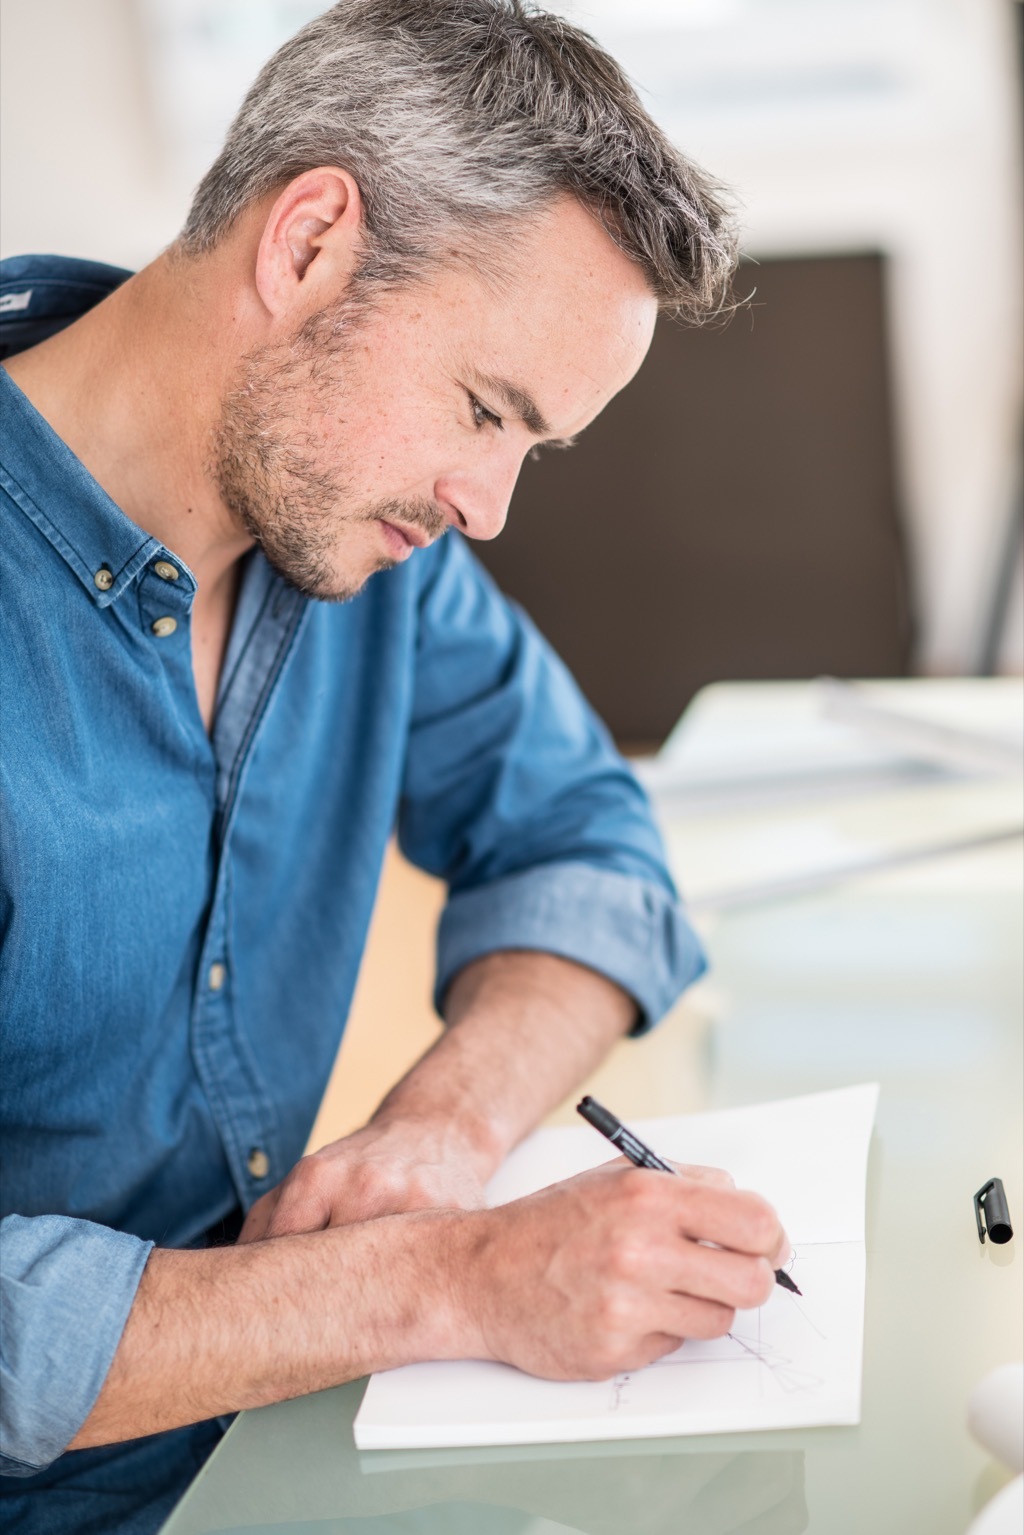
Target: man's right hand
{"type": "Point", "coordinates": [610, 1270]}
{"type": "Point", "coordinates": [600, 1274]}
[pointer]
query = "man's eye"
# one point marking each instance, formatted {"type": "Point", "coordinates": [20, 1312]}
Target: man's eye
{"type": "Point", "coordinates": [482, 416]}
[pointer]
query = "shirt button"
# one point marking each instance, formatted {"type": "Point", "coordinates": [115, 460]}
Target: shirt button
{"type": "Point", "coordinates": [162, 627]}
{"type": "Point", "coordinates": [103, 579]}
{"type": "Point", "coordinates": [258, 1162]}
{"type": "Point", "coordinates": [217, 976]}
{"type": "Point", "coordinates": [166, 571]}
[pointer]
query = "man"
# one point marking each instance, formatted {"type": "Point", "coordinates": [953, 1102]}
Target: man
{"type": "Point", "coordinates": [236, 651]}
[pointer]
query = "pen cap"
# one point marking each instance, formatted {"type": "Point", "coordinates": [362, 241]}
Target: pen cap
{"type": "Point", "coordinates": [992, 1212]}
{"type": "Point", "coordinates": [599, 1117]}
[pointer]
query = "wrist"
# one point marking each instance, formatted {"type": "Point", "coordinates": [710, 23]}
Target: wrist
{"type": "Point", "coordinates": [454, 1133]}
{"type": "Point", "coordinates": [424, 1286]}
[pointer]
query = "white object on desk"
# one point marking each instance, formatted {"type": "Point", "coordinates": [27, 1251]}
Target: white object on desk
{"type": "Point", "coordinates": [794, 1362]}
{"type": "Point", "coordinates": [1004, 1515]}
{"type": "Point", "coordinates": [956, 748]}
{"type": "Point", "coordinates": [995, 1414]}
{"type": "Point", "coordinates": [760, 739]}
{"type": "Point", "coordinates": [761, 795]}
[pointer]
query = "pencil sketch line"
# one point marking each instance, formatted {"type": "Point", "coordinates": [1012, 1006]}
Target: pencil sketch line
{"type": "Point", "coordinates": [782, 1369]}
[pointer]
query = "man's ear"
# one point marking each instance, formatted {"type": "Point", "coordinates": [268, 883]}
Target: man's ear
{"type": "Point", "coordinates": [311, 240]}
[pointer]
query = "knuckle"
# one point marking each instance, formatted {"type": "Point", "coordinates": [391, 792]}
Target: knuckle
{"type": "Point", "coordinates": [306, 1175]}
{"type": "Point", "coordinates": [626, 1259]}
{"type": "Point", "coordinates": [639, 1190]}
{"type": "Point", "coordinates": [418, 1193]}
{"type": "Point", "coordinates": [370, 1182]}
{"type": "Point", "coordinates": [767, 1231]}
{"type": "Point", "coordinates": [756, 1284]}
{"type": "Point", "coordinates": [417, 1187]}
{"type": "Point", "coordinates": [613, 1314]}
{"type": "Point", "coordinates": [717, 1177]}
{"type": "Point", "coordinates": [761, 1223]}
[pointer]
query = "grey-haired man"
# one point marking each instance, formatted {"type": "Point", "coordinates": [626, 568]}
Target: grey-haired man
{"type": "Point", "coordinates": [238, 651]}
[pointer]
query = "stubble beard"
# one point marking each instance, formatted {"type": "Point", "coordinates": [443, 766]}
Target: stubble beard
{"type": "Point", "coordinates": [271, 477]}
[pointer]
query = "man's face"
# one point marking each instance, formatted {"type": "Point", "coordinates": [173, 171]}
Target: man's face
{"type": "Point", "coordinates": [346, 444]}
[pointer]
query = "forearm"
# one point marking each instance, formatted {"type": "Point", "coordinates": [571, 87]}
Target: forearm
{"type": "Point", "coordinates": [523, 1030]}
{"type": "Point", "coordinates": [220, 1330]}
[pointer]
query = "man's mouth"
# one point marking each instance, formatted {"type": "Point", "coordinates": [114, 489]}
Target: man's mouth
{"type": "Point", "coordinates": [403, 539]}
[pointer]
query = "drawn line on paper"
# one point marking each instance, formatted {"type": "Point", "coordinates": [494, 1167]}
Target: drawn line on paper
{"type": "Point", "coordinates": [792, 1301]}
{"type": "Point", "coordinates": [780, 1366]}
{"type": "Point", "coordinates": [787, 1375]}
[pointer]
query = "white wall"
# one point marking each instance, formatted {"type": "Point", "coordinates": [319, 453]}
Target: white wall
{"type": "Point", "coordinates": [888, 124]}
{"type": "Point", "coordinates": [82, 169]}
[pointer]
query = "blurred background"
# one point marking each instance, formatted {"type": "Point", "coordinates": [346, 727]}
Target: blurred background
{"type": "Point", "coordinates": [826, 484]}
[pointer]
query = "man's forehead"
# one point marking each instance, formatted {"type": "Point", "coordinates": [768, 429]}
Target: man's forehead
{"type": "Point", "coordinates": [553, 360]}
{"type": "Point", "coordinates": [558, 378]}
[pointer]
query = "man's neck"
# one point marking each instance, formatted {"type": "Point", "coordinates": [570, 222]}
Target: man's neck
{"type": "Point", "coordinates": [134, 388]}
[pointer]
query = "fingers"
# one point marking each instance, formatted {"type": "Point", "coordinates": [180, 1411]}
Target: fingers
{"type": "Point", "coordinates": [695, 1237]}
{"type": "Point", "coordinates": [339, 1189]}
{"type": "Point", "coordinates": [734, 1280]}
{"type": "Point", "coordinates": [731, 1218]}
{"type": "Point", "coordinates": [256, 1222]}
{"type": "Point", "coordinates": [783, 1254]}
{"type": "Point", "coordinates": [717, 1177]}
{"type": "Point", "coordinates": [292, 1206]}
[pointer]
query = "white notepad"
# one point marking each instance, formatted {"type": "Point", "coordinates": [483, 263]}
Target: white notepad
{"type": "Point", "coordinates": [795, 1362]}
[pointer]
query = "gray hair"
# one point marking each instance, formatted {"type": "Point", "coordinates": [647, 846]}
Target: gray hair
{"type": "Point", "coordinates": [460, 119]}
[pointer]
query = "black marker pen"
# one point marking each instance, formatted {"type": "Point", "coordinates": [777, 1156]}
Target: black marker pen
{"type": "Point", "coordinates": [642, 1156]}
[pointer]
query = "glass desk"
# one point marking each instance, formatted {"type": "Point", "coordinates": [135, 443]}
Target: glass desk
{"type": "Point", "coordinates": [915, 982]}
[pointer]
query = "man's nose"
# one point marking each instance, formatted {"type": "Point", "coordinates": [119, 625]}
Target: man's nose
{"type": "Point", "coordinates": [479, 501]}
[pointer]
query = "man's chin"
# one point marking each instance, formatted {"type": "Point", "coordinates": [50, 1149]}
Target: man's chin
{"type": "Point", "coordinates": [322, 585]}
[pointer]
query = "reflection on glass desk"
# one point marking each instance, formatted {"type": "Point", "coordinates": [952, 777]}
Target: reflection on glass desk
{"type": "Point", "coordinates": [915, 981]}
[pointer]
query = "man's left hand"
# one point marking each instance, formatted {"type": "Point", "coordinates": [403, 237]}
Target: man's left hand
{"type": "Point", "coordinates": [386, 1168]}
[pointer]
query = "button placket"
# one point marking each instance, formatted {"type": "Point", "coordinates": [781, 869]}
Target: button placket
{"type": "Point", "coordinates": [242, 1103]}
{"type": "Point", "coordinates": [243, 1109]}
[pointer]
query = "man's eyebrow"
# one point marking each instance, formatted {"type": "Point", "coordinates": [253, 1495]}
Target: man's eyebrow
{"type": "Point", "coordinates": [516, 400]}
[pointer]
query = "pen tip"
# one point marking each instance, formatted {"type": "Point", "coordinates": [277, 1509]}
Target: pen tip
{"type": "Point", "coordinates": [784, 1280]}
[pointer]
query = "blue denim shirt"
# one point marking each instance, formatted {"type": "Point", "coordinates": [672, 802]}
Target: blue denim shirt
{"type": "Point", "coordinates": [182, 916]}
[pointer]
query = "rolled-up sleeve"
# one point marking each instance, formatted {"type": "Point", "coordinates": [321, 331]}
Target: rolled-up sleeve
{"type": "Point", "coordinates": [514, 794]}
{"type": "Point", "coordinates": [66, 1288]}
{"type": "Point", "coordinates": [626, 928]}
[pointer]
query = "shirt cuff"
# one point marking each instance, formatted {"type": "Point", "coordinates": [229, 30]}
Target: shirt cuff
{"type": "Point", "coordinates": [624, 927]}
{"type": "Point", "coordinates": [66, 1288]}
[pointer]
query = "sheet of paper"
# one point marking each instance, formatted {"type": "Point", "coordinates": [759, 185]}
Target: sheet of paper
{"type": "Point", "coordinates": [794, 1362]}
{"type": "Point", "coordinates": [807, 1156]}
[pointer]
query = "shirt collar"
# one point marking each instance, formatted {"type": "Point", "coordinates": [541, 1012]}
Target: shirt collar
{"type": "Point", "coordinates": [54, 489]}
{"type": "Point", "coordinates": [105, 549]}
